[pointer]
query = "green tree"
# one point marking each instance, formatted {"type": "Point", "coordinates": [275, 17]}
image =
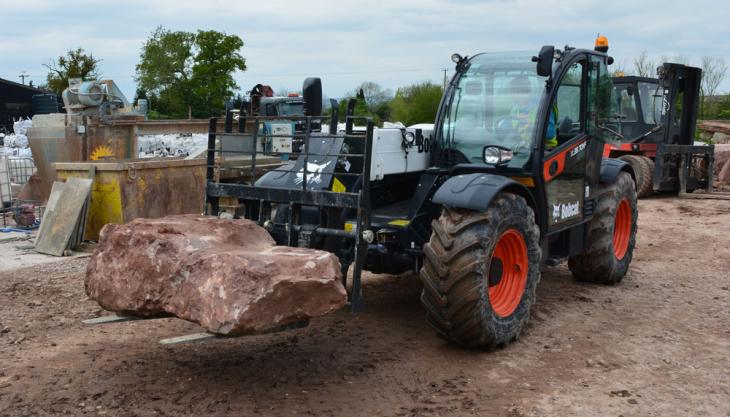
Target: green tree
{"type": "Point", "coordinates": [165, 69]}
{"type": "Point", "coordinates": [374, 94]}
{"type": "Point", "coordinates": [189, 71]}
{"type": "Point", "coordinates": [372, 101]}
{"type": "Point", "coordinates": [723, 108]}
{"type": "Point", "coordinates": [416, 103]}
{"type": "Point", "coordinates": [75, 64]}
{"type": "Point", "coordinates": [216, 60]}
{"type": "Point", "coordinates": [141, 93]}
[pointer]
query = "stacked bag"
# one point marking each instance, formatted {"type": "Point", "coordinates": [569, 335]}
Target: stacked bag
{"type": "Point", "coordinates": [16, 144]}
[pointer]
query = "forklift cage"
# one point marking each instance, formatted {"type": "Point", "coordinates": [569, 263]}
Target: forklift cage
{"type": "Point", "coordinates": [259, 200]}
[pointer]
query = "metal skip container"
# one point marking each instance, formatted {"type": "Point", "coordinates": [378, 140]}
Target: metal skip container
{"type": "Point", "coordinates": [126, 190]}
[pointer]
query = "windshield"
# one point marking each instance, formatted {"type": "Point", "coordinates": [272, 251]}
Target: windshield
{"type": "Point", "coordinates": [291, 109]}
{"type": "Point", "coordinates": [495, 103]}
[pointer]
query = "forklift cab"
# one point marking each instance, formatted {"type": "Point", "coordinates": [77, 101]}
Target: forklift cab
{"type": "Point", "coordinates": [638, 102]}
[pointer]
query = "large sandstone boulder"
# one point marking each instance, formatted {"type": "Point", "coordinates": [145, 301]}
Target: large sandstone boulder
{"type": "Point", "coordinates": [226, 275]}
{"type": "Point", "coordinates": [724, 174]}
{"type": "Point", "coordinates": [722, 155]}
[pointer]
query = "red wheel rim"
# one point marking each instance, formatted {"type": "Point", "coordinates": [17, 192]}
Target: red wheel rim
{"type": "Point", "coordinates": [506, 294]}
{"type": "Point", "coordinates": [622, 229]}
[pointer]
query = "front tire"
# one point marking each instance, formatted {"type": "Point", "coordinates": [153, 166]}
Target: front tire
{"type": "Point", "coordinates": [481, 271]}
{"type": "Point", "coordinates": [611, 234]}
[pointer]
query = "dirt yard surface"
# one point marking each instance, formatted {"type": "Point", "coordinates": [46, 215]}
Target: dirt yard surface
{"type": "Point", "coordinates": [657, 344]}
{"type": "Point", "coordinates": [17, 251]}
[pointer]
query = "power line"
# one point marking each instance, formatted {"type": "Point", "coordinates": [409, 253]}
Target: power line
{"type": "Point", "coordinates": [347, 72]}
{"type": "Point", "coordinates": [371, 71]}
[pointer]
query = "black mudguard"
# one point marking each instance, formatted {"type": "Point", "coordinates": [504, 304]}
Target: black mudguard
{"type": "Point", "coordinates": [610, 168]}
{"type": "Point", "coordinates": [476, 191]}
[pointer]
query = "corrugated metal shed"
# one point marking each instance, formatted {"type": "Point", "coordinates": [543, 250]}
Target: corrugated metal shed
{"type": "Point", "coordinates": [15, 101]}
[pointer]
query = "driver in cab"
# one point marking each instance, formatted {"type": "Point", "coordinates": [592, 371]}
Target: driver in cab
{"type": "Point", "coordinates": [523, 114]}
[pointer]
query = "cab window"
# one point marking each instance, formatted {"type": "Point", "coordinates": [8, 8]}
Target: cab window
{"type": "Point", "coordinates": [626, 103]}
{"type": "Point", "coordinates": [600, 119]}
{"type": "Point", "coordinates": [568, 104]}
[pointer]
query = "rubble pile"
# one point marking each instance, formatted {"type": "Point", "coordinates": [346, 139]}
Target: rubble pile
{"type": "Point", "coordinates": [714, 131]}
{"type": "Point", "coordinates": [226, 275]}
{"type": "Point", "coordinates": [155, 146]}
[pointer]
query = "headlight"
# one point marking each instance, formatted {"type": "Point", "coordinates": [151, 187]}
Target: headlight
{"type": "Point", "coordinates": [410, 138]}
{"type": "Point", "coordinates": [495, 155]}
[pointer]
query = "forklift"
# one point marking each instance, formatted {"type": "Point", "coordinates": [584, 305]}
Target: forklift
{"type": "Point", "coordinates": [655, 122]}
{"type": "Point", "coordinates": [478, 207]}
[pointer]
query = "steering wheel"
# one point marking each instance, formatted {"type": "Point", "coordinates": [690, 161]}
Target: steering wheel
{"type": "Point", "coordinates": [507, 129]}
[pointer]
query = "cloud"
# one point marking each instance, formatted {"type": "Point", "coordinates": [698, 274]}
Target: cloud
{"type": "Point", "coordinates": [393, 43]}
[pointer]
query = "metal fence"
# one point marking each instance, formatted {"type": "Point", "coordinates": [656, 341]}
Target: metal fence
{"type": "Point", "coordinates": [13, 171]}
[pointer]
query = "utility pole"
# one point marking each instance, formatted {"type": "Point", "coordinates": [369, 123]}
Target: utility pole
{"type": "Point", "coordinates": [22, 76]}
{"type": "Point", "coordinates": [445, 78]}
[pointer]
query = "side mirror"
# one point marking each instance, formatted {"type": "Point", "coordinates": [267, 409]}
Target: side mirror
{"type": "Point", "coordinates": [312, 92]}
{"type": "Point", "coordinates": [545, 61]}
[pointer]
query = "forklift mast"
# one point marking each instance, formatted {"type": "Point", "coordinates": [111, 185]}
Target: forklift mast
{"type": "Point", "coordinates": [681, 86]}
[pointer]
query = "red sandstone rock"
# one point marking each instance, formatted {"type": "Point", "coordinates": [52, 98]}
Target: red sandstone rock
{"type": "Point", "coordinates": [724, 175]}
{"type": "Point", "coordinates": [722, 155]}
{"type": "Point", "coordinates": [226, 275]}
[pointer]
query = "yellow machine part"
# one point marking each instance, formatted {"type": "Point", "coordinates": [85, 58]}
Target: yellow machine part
{"type": "Point", "coordinates": [106, 200]}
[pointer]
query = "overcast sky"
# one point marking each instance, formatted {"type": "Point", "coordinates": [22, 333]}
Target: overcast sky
{"type": "Point", "coordinates": [345, 42]}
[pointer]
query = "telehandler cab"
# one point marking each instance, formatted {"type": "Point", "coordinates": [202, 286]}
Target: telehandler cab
{"type": "Point", "coordinates": [478, 205]}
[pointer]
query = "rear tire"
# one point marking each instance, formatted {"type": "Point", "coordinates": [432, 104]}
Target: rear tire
{"type": "Point", "coordinates": [481, 271]}
{"type": "Point", "coordinates": [644, 171]}
{"type": "Point", "coordinates": [650, 164]}
{"type": "Point", "coordinates": [611, 234]}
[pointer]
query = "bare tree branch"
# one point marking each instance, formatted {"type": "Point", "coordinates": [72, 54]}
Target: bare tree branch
{"type": "Point", "coordinates": [714, 70]}
{"type": "Point", "coordinates": [644, 66]}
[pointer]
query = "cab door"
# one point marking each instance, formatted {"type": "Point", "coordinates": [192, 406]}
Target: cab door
{"type": "Point", "coordinates": [564, 167]}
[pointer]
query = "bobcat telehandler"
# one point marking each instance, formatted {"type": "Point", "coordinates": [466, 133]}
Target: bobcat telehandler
{"type": "Point", "coordinates": [478, 206]}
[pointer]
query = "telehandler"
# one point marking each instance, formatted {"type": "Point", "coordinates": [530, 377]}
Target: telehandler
{"type": "Point", "coordinates": [478, 205]}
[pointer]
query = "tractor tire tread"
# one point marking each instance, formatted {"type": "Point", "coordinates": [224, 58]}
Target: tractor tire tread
{"type": "Point", "coordinates": [644, 173]}
{"type": "Point", "coordinates": [454, 274]}
{"type": "Point", "coordinates": [598, 263]}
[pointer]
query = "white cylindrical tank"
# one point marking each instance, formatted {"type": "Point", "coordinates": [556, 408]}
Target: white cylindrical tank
{"type": "Point", "coordinates": [90, 93]}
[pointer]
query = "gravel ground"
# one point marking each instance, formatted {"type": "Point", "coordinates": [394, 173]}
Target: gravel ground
{"type": "Point", "coordinates": [657, 344]}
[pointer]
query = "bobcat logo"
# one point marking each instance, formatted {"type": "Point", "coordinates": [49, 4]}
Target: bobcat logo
{"type": "Point", "coordinates": [314, 173]}
{"type": "Point", "coordinates": [563, 211]}
{"type": "Point", "coordinates": [556, 212]}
